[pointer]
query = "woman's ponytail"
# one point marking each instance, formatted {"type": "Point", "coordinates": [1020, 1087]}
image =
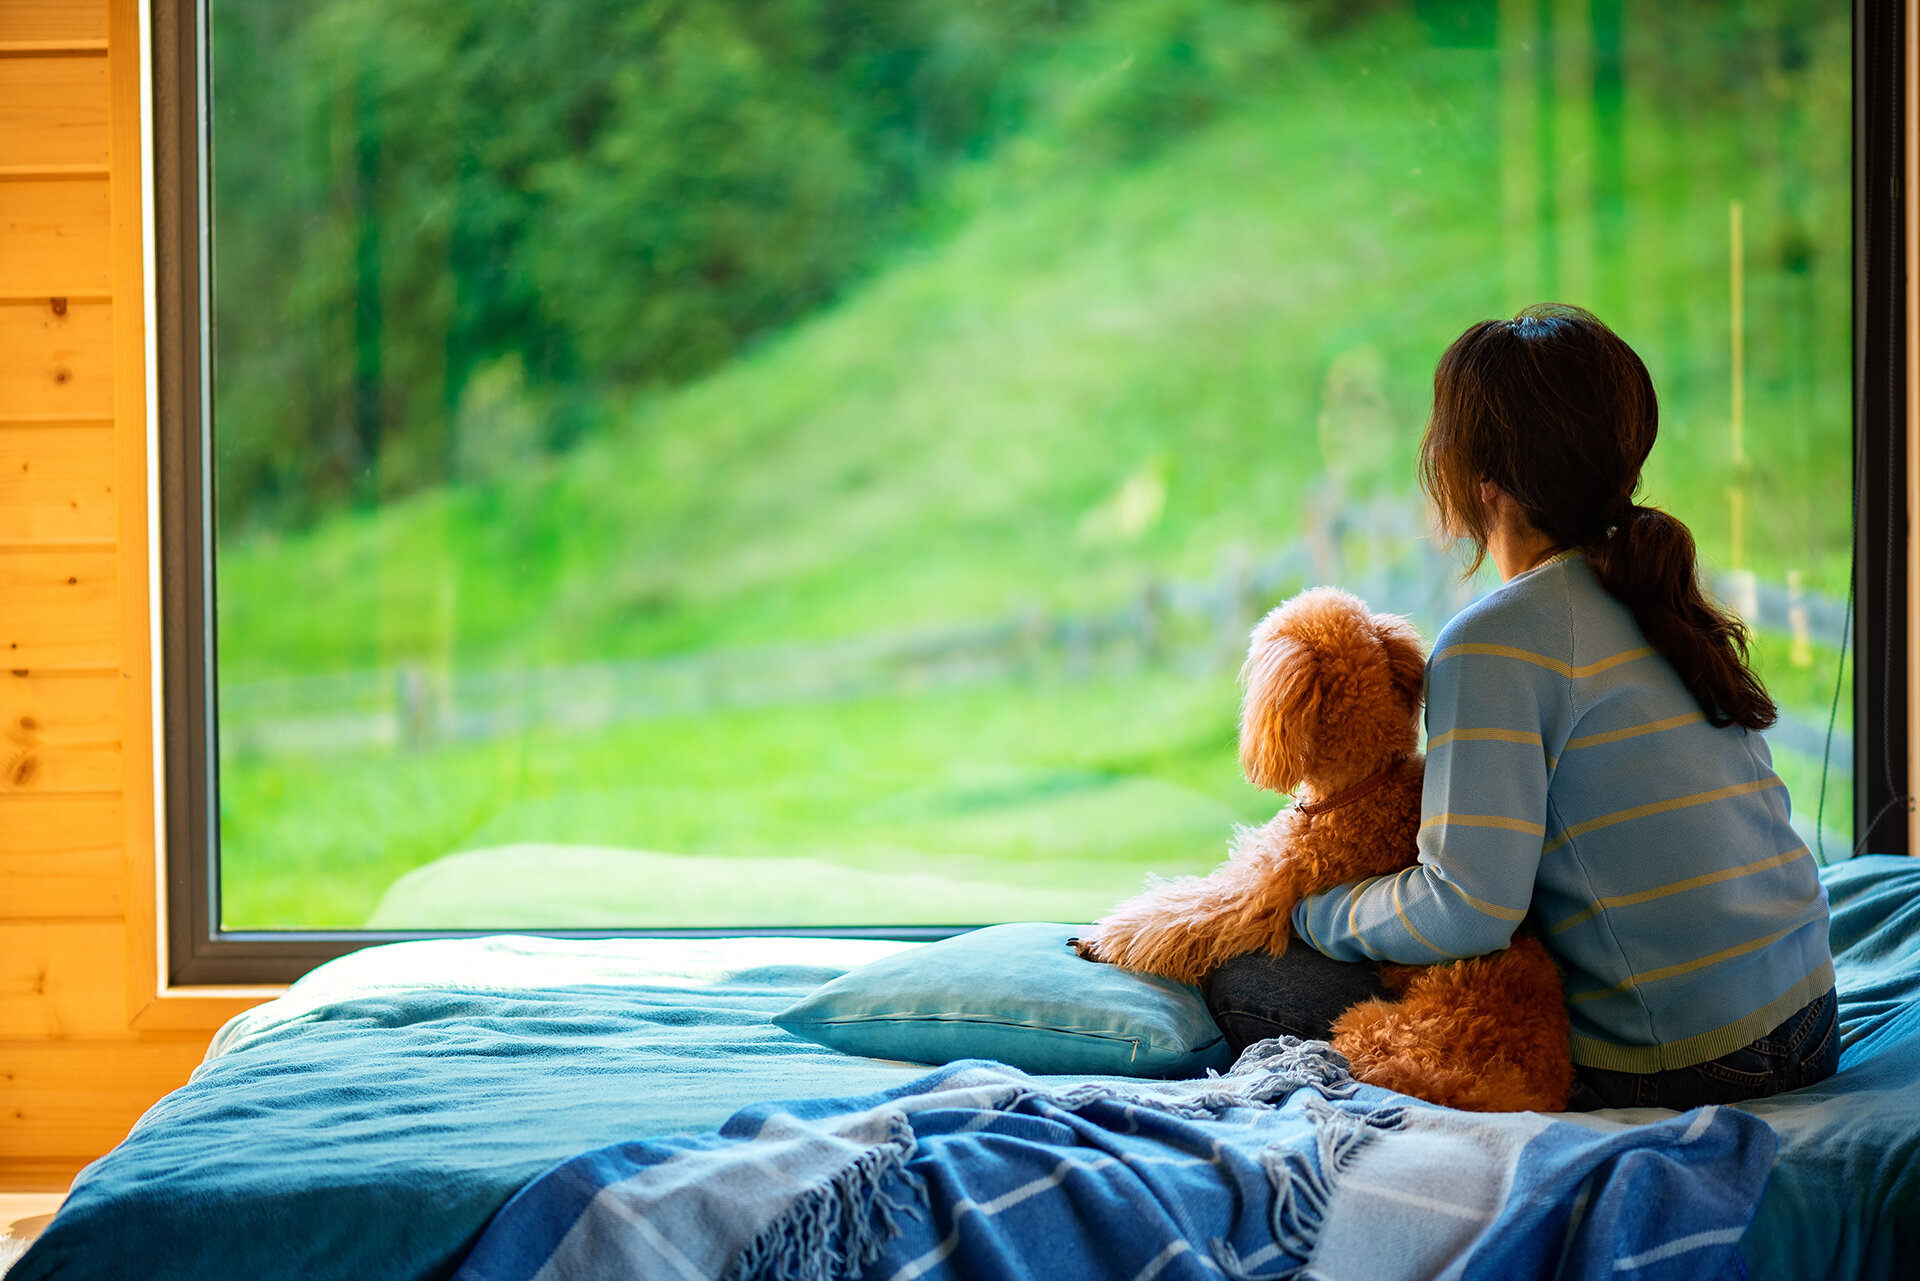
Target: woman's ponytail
{"type": "Point", "coordinates": [1648, 563]}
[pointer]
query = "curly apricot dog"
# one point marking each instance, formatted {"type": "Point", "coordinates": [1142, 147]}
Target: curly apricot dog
{"type": "Point", "coordinates": [1330, 715]}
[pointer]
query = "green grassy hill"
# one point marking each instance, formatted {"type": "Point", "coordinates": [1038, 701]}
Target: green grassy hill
{"type": "Point", "coordinates": [931, 448]}
{"type": "Point", "coordinates": [1106, 368]}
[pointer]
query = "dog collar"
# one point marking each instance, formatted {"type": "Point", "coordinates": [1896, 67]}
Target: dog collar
{"type": "Point", "coordinates": [1371, 782]}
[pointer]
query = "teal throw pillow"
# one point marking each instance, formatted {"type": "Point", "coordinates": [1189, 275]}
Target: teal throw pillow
{"type": "Point", "coordinates": [1021, 995]}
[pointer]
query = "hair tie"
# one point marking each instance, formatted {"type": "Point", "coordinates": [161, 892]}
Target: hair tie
{"type": "Point", "coordinates": [1613, 516]}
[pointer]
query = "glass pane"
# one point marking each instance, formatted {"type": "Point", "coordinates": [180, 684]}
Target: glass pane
{"type": "Point", "coordinates": [816, 464]}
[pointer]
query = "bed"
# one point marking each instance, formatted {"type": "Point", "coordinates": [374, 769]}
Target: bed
{"type": "Point", "coordinates": [370, 1123]}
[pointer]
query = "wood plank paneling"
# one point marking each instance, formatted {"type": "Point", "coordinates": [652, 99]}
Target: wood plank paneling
{"type": "Point", "coordinates": [56, 360]}
{"type": "Point", "coordinates": [63, 980]}
{"type": "Point", "coordinates": [46, 21]}
{"type": "Point", "coordinates": [61, 857]}
{"type": "Point", "coordinates": [59, 733]}
{"type": "Point", "coordinates": [74, 1075]}
{"type": "Point", "coordinates": [53, 110]}
{"type": "Point", "coordinates": [53, 236]}
{"type": "Point", "coordinates": [60, 612]}
{"type": "Point", "coordinates": [76, 1100]}
{"type": "Point", "coordinates": [56, 484]}
{"type": "Point", "coordinates": [144, 985]}
{"type": "Point", "coordinates": [18, 1174]}
{"type": "Point", "coordinates": [62, 820]}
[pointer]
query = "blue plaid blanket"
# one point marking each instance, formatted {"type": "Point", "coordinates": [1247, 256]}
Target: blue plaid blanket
{"type": "Point", "coordinates": [1283, 1169]}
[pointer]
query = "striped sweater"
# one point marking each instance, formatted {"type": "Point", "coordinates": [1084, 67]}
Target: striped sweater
{"type": "Point", "coordinates": [1572, 781]}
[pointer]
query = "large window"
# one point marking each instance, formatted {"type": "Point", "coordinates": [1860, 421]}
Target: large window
{"type": "Point", "coordinates": [729, 465]}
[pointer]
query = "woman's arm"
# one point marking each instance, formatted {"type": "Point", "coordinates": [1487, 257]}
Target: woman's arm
{"type": "Point", "coordinates": [1484, 816]}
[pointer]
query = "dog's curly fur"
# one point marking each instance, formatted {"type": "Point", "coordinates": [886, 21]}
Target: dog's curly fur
{"type": "Point", "coordinates": [1332, 700]}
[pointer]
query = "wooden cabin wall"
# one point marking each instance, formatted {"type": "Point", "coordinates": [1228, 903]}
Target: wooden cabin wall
{"type": "Point", "coordinates": [87, 1042]}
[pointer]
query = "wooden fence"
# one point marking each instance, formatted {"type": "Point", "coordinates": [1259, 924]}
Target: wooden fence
{"type": "Point", "coordinates": [1194, 626]}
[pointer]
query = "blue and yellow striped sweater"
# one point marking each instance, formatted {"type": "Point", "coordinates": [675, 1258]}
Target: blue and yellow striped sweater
{"type": "Point", "coordinates": [1572, 778]}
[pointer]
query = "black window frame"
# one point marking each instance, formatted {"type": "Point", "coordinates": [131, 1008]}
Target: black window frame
{"type": "Point", "coordinates": [199, 952]}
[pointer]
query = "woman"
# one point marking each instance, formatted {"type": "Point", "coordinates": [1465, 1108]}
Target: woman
{"type": "Point", "coordinates": [1594, 766]}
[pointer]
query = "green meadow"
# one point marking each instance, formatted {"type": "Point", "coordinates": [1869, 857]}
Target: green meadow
{"type": "Point", "coordinates": [1078, 371]}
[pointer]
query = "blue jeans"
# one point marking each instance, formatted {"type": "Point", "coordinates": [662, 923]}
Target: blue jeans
{"type": "Point", "coordinates": [1804, 1050]}
{"type": "Point", "coordinates": [1258, 995]}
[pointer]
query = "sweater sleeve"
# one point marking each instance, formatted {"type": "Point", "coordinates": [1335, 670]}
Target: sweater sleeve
{"type": "Point", "coordinates": [1483, 820]}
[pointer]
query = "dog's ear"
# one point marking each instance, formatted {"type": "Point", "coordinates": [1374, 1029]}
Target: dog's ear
{"type": "Point", "coordinates": [1406, 658]}
{"type": "Point", "coordinates": [1280, 710]}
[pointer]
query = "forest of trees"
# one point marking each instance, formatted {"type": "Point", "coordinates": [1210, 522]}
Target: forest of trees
{"type": "Point", "coordinates": [421, 205]}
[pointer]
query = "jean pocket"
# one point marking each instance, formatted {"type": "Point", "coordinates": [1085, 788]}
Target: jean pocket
{"type": "Point", "coordinates": [1821, 1059]}
{"type": "Point", "coordinates": [1243, 1027]}
{"type": "Point", "coordinates": [1749, 1070]}
{"type": "Point", "coordinates": [1806, 1025]}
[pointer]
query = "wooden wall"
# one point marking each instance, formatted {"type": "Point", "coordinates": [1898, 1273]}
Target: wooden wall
{"type": "Point", "coordinates": [88, 1040]}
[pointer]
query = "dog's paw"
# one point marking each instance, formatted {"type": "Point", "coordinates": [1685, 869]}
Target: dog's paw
{"type": "Point", "coordinates": [1152, 948]}
{"type": "Point", "coordinates": [1087, 948]}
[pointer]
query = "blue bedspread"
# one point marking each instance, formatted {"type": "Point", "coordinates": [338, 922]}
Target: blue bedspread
{"type": "Point", "coordinates": [368, 1126]}
{"type": "Point", "coordinates": [1844, 1200]}
{"type": "Point", "coordinates": [982, 1171]}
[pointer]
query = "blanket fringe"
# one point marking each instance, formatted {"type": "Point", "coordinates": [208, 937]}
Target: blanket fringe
{"type": "Point", "coordinates": [1273, 1069]}
{"type": "Point", "coordinates": [1302, 1188]}
{"type": "Point", "coordinates": [1267, 1071]}
{"type": "Point", "coordinates": [836, 1230]}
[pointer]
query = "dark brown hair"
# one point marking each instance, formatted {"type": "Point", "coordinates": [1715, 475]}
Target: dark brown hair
{"type": "Point", "coordinates": [1558, 412]}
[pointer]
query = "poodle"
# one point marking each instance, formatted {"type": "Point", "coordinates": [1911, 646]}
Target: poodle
{"type": "Point", "coordinates": [1330, 716]}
